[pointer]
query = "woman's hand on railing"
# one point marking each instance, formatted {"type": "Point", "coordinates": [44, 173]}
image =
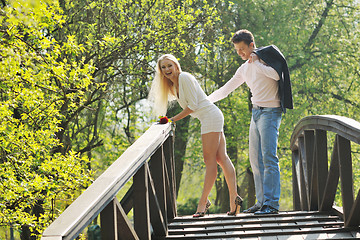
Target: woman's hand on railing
{"type": "Point", "coordinates": [164, 120]}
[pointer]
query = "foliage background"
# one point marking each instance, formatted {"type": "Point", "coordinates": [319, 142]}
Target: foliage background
{"type": "Point", "coordinates": [74, 78]}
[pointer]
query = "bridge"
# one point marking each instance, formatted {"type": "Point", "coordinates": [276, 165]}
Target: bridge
{"type": "Point", "coordinates": [149, 164]}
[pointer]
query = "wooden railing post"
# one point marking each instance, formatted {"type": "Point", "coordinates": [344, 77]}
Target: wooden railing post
{"type": "Point", "coordinates": [115, 224]}
{"type": "Point", "coordinates": [141, 203]}
{"type": "Point", "coordinates": [108, 222]}
{"type": "Point", "coordinates": [301, 168]}
{"type": "Point", "coordinates": [158, 222]}
{"type": "Point", "coordinates": [321, 159]}
{"type": "Point", "coordinates": [170, 169]}
{"type": "Point", "coordinates": [309, 145]}
{"type": "Point", "coordinates": [310, 166]}
{"type": "Point", "coordinates": [332, 180]}
{"type": "Point", "coordinates": [296, 196]}
{"type": "Point", "coordinates": [347, 190]}
{"type": "Point", "coordinates": [353, 220]}
{"type": "Point", "coordinates": [157, 169]}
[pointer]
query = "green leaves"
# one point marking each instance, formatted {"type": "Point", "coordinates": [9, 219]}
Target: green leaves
{"type": "Point", "coordinates": [37, 79]}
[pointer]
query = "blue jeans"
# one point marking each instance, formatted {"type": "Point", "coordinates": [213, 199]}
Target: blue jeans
{"type": "Point", "coordinates": [263, 139]}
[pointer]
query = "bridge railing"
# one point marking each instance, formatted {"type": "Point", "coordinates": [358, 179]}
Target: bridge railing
{"type": "Point", "coordinates": [150, 163]}
{"type": "Point", "coordinates": [314, 182]}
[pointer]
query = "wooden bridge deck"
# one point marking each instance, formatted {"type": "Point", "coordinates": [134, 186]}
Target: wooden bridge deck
{"type": "Point", "coordinates": [285, 225]}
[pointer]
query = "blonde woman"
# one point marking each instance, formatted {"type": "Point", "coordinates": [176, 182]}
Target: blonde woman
{"type": "Point", "coordinates": [171, 82]}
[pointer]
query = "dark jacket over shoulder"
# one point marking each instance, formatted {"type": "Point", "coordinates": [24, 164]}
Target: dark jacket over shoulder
{"type": "Point", "coordinates": [272, 56]}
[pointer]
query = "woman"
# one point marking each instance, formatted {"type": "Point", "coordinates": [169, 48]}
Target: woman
{"type": "Point", "coordinates": [171, 82]}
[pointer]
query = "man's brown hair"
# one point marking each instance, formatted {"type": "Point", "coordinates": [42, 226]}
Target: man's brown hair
{"type": "Point", "coordinates": [243, 35]}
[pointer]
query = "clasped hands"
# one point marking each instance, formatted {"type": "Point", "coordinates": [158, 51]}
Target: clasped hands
{"type": "Point", "coordinates": [253, 57]}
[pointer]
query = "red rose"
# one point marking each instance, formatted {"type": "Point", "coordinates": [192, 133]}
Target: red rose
{"type": "Point", "coordinates": [163, 120]}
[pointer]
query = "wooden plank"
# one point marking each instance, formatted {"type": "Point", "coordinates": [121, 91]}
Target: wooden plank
{"type": "Point", "coordinates": [309, 137]}
{"type": "Point", "coordinates": [266, 238]}
{"type": "Point", "coordinates": [345, 163]}
{"type": "Point", "coordinates": [290, 237]}
{"type": "Point", "coordinates": [302, 178]}
{"type": "Point", "coordinates": [141, 204]}
{"type": "Point", "coordinates": [170, 169]}
{"type": "Point", "coordinates": [332, 180]}
{"type": "Point", "coordinates": [314, 236]}
{"type": "Point", "coordinates": [108, 222]}
{"type": "Point", "coordinates": [254, 223]}
{"type": "Point", "coordinates": [127, 201]}
{"type": "Point", "coordinates": [354, 217]}
{"type": "Point", "coordinates": [246, 217]}
{"type": "Point", "coordinates": [246, 228]}
{"type": "Point", "coordinates": [125, 227]}
{"type": "Point", "coordinates": [338, 211]}
{"type": "Point", "coordinates": [115, 224]}
{"type": "Point", "coordinates": [295, 184]}
{"type": "Point", "coordinates": [158, 222]}
{"type": "Point", "coordinates": [322, 163]}
{"type": "Point", "coordinates": [272, 224]}
{"type": "Point", "coordinates": [342, 235]}
{"type": "Point", "coordinates": [309, 145]}
{"type": "Point", "coordinates": [171, 206]}
{"type": "Point", "coordinates": [314, 190]}
{"type": "Point", "coordinates": [260, 233]}
{"type": "Point", "coordinates": [157, 171]}
{"type": "Point", "coordinates": [355, 234]}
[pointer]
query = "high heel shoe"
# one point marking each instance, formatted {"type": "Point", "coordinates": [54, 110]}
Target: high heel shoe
{"type": "Point", "coordinates": [238, 204]}
{"type": "Point", "coordinates": [201, 214]}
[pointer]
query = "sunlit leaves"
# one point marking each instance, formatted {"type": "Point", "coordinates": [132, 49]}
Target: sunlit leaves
{"type": "Point", "coordinates": [37, 76]}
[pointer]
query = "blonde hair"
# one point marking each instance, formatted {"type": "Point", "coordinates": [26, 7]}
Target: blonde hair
{"type": "Point", "coordinates": [162, 89]}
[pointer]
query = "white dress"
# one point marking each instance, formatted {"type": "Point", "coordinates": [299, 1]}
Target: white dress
{"type": "Point", "coordinates": [191, 95]}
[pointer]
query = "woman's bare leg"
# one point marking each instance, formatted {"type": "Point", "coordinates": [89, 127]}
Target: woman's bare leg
{"type": "Point", "coordinates": [210, 143]}
{"type": "Point", "coordinates": [229, 170]}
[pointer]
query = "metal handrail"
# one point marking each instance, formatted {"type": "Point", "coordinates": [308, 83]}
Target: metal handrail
{"type": "Point", "coordinates": [102, 192]}
{"type": "Point", "coordinates": [314, 181]}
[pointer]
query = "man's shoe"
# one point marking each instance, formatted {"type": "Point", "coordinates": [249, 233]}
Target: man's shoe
{"type": "Point", "coordinates": [252, 209]}
{"type": "Point", "coordinates": [267, 210]}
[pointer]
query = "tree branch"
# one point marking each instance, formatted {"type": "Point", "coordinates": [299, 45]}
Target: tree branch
{"type": "Point", "coordinates": [91, 146]}
{"type": "Point", "coordinates": [300, 62]}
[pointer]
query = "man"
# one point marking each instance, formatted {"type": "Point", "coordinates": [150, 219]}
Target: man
{"type": "Point", "coordinates": [266, 73]}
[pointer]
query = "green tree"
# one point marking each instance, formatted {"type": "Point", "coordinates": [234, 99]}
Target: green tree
{"type": "Point", "coordinates": [36, 80]}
